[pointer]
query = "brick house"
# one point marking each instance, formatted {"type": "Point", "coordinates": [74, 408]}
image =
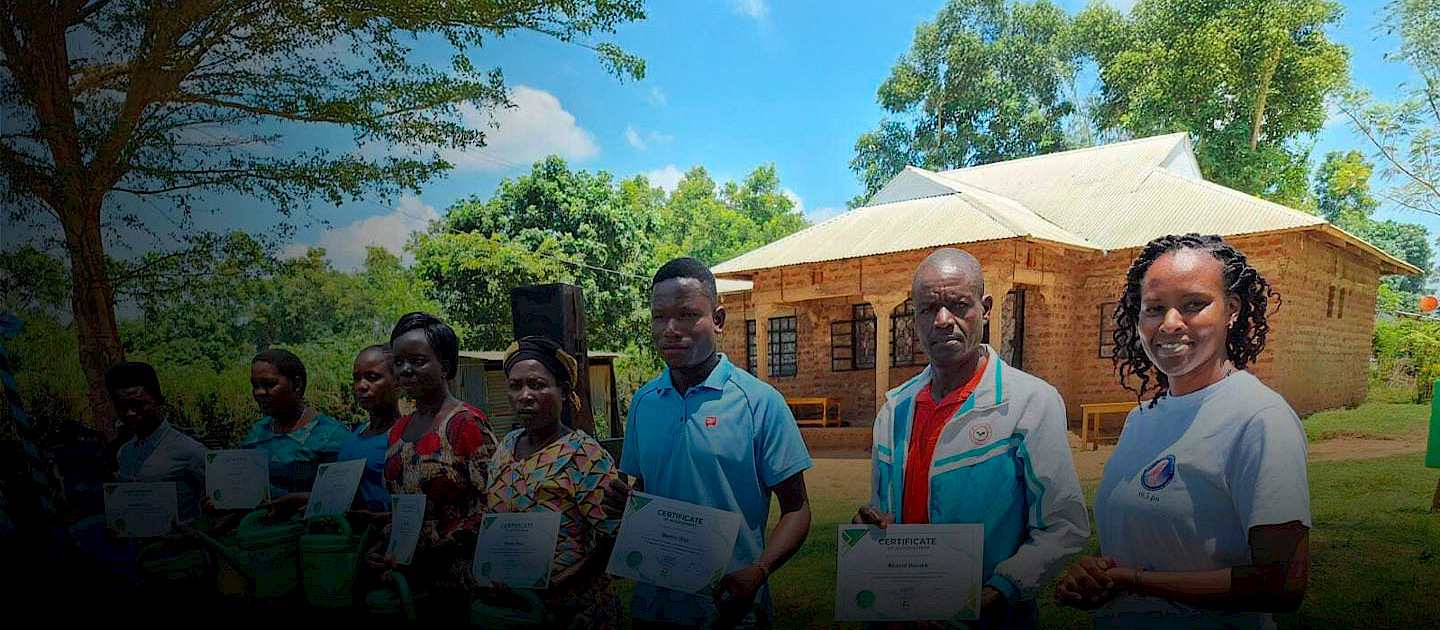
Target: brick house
{"type": "Point", "coordinates": [826, 311]}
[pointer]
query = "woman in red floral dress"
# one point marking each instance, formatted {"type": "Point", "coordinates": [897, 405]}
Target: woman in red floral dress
{"type": "Point", "coordinates": [442, 450]}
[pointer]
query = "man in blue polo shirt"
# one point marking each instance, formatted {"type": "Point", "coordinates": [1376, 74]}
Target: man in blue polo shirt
{"type": "Point", "coordinates": [708, 433]}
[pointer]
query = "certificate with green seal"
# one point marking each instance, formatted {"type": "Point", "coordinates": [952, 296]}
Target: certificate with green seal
{"type": "Point", "coordinates": [141, 509]}
{"type": "Point", "coordinates": [237, 479]}
{"type": "Point", "coordinates": [516, 549]}
{"type": "Point", "coordinates": [908, 572]}
{"type": "Point", "coordinates": [334, 488]}
{"type": "Point", "coordinates": [673, 544]}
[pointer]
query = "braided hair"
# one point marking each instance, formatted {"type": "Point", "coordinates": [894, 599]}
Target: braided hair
{"type": "Point", "coordinates": [1244, 340]}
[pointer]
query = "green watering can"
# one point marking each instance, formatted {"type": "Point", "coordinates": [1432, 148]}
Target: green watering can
{"type": "Point", "coordinates": [165, 569]}
{"type": "Point", "coordinates": [329, 561]}
{"type": "Point", "coordinates": [396, 601]}
{"type": "Point", "coordinates": [519, 608]}
{"type": "Point", "coordinates": [267, 553]}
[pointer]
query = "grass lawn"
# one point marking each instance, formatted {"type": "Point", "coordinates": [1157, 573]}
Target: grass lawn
{"type": "Point", "coordinates": [1374, 420]}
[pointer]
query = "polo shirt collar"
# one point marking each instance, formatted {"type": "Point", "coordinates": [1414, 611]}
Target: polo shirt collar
{"type": "Point", "coordinates": [716, 379]}
{"type": "Point", "coordinates": [155, 436]}
{"type": "Point", "coordinates": [298, 435]}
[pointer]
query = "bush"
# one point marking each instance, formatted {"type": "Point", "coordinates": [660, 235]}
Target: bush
{"type": "Point", "coordinates": [1406, 357]}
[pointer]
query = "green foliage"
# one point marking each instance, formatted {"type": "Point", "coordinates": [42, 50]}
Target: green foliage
{"type": "Point", "coordinates": [1407, 354]}
{"type": "Point", "coordinates": [983, 82]}
{"type": "Point", "coordinates": [1244, 79]}
{"type": "Point", "coordinates": [607, 237]}
{"type": "Point", "coordinates": [1342, 195]}
{"type": "Point", "coordinates": [1405, 134]}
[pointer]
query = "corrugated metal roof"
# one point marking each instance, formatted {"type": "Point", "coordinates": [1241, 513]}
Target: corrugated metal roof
{"type": "Point", "coordinates": [727, 285]}
{"type": "Point", "coordinates": [1108, 197]}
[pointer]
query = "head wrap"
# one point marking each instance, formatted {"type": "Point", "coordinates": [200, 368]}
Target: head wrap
{"type": "Point", "coordinates": [559, 363]}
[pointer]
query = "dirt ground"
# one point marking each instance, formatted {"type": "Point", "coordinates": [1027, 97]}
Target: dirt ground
{"type": "Point", "coordinates": [847, 472]}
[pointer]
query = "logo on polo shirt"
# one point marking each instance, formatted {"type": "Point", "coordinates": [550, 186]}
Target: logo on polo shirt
{"type": "Point", "coordinates": [711, 421]}
{"type": "Point", "coordinates": [1159, 473]}
{"type": "Point", "coordinates": [980, 433]}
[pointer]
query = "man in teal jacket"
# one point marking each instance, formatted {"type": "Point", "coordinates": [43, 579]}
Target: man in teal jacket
{"type": "Point", "coordinates": [973, 440]}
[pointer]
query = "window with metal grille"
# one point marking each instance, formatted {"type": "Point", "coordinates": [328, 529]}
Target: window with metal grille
{"type": "Point", "coordinates": [852, 341]}
{"type": "Point", "coordinates": [782, 338]}
{"type": "Point", "coordinates": [905, 348]}
{"type": "Point", "coordinates": [752, 356]}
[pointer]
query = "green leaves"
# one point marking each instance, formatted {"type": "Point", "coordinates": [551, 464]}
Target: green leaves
{"type": "Point", "coordinates": [984, 82]}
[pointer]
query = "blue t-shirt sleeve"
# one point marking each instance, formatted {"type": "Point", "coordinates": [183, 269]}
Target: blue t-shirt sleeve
{"type": "Point", "coordinates": [781, 449]}
{"type": "Point", "coordinates": [1266, 472]}
{"type": "Point", "coordinates": [331, 438]}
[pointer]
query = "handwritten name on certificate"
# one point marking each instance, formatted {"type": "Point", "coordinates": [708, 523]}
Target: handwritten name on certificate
{"type": "Point", "coordinates": [334, 489]}
{"type": "Point", "coordinates": [141, 509]}
{"type": "Point", "coordinates": [237, 478]}
{"type": "Point", "coordinates": [908, 572]}
{"type": "Point", "coordinates": [516, 549]}
{"type": "Point", "coordinates": [673, 544]}
{"type": "Point", "coordinates": [407, 516]}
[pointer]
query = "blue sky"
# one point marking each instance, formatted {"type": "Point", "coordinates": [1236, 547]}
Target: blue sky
{"type": "Point", "coordinates": [730, 84]}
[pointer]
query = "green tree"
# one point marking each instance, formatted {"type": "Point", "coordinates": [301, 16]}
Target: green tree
{"type": "Point", "coordinates": [985, 81]}
{"type": "Point", "coordinates": [1245, 78]}
{"type": "Point", "coordinates": [135, 115]}
{"type": "Point", "coordinates": [552, 225]}
{"type": "Point", "coordinates": [1342, 195]}
{"type": "Point", "coordinates": [1405, 134]}
{"type": "Point", "coordinates": [1342, 190]}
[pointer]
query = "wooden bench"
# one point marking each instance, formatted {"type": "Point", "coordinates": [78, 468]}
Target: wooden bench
{"type": "Point", "coordinates": [825, 405]}
{"type": "Point", "coordinates": [1090, 419]}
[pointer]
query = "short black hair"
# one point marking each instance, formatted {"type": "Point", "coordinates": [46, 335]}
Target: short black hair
{"type": "Point", "coordinates": [133, 374]}
{"type": "Point", "coordinates": [382, 348]}
{"type": "Point", "coordinates": [286, 363]}
{"type": "Point", "coordinates": [689, 268]}
{"type": "Point", "coordinates": [441, 337]}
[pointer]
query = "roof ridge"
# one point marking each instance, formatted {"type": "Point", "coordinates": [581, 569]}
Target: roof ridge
{"type": "Point", "coordinates": [1097, 147]}
{"type": "Point", "coordinates": [1244, 195]}
{"type": "Point", "coordinates": [1007, 222]}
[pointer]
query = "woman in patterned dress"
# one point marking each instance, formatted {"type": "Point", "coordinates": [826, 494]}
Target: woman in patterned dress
{"type": "Point", "coordinates": [442, 450]}
{"type": "Point", "coordinates": [548, 465]}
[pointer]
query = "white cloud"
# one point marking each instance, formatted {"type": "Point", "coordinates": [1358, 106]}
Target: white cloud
{"type": "Point", "coordinates": [657, 97]}
{"type": "Point", "coordinates": [345, 246]}
{"type": "Point", "coordinates": [536, 127]}
{"type": "Point", "coordinates": [798, 204]}
{"type": "Point", "coordinates": [667, 178]}
{"type": "Point", "coordinates": [755, 9]}
{"type": "Point", "coordinates": [633, 137]}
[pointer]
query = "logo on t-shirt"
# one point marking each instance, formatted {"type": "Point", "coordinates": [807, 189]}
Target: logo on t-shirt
{"type": "Point", "coordinates": [980, 433]}
{"type": "Point", "coordinates": [711, 421]}
{"type": "Point", "coordinates": [1159, 473]}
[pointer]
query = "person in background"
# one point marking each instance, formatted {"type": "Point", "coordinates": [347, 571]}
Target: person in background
{"type": "Point", "coordinates": [373, 380]}
{"type": "Point", "coordinates": [709, 433]}
{"type": "Point", "coordinates": [1203, 510]}
{"type": "Point", "coordinates": [295, 437]}
{"type": "Point", "coordinates": [443, 451]}
{"type": "Point", "coordinates": [972, 439]}
{"type": "Point", "coordinates": [548, 465]}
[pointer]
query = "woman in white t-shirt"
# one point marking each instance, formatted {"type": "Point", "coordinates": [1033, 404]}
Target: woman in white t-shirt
{"type": "Point", "coordinates": [1204, 510]}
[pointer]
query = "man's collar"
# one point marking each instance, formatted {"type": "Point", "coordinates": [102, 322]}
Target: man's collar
{"type": "Point", "coordinates": [715, 380]}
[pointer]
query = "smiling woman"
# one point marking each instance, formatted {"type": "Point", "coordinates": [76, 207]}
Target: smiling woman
{"type": "Point", "coordinates": [1204, 509]}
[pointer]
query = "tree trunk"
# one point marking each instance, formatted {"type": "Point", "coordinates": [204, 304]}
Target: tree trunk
{"type": "Point", "coordinates": [93, 302]}
{"type": "Point", "coordinates": [1267, 73]}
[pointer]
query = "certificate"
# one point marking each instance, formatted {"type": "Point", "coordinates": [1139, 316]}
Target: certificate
{"type": "Point", "coordinates": [407, 515]}
{"type": "Point", "coordinates": [141, 509]}
{"type": "Point", "coordinates": [673, 544]}
{"type": "Point", "coordinates": [237, 478]}
{"type": "Point", "coordinates": [334, 489]}
{"type": "Point", "coordinates": [516, 549]}
{"type": "Point", "coordinates": [908, 572]}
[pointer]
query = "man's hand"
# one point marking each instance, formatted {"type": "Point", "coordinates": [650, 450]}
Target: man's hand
{"type": "Point", "coordinates": [993, 604]}
{"type": "Point", "coordinates": [871, 516]}
{"type": "Point", "coordinates": [735, 594]}
{"type": "Point", "coordinates": [1087, 584]}
{"type": "Point", "coordinates": [616, 493]}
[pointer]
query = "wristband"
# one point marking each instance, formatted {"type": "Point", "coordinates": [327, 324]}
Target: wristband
{"type": "Point", "coordinates": [764, 569]}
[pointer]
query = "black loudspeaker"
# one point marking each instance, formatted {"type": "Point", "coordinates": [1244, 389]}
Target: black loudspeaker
{"type": "Point", "coordinates": [557, 311]}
